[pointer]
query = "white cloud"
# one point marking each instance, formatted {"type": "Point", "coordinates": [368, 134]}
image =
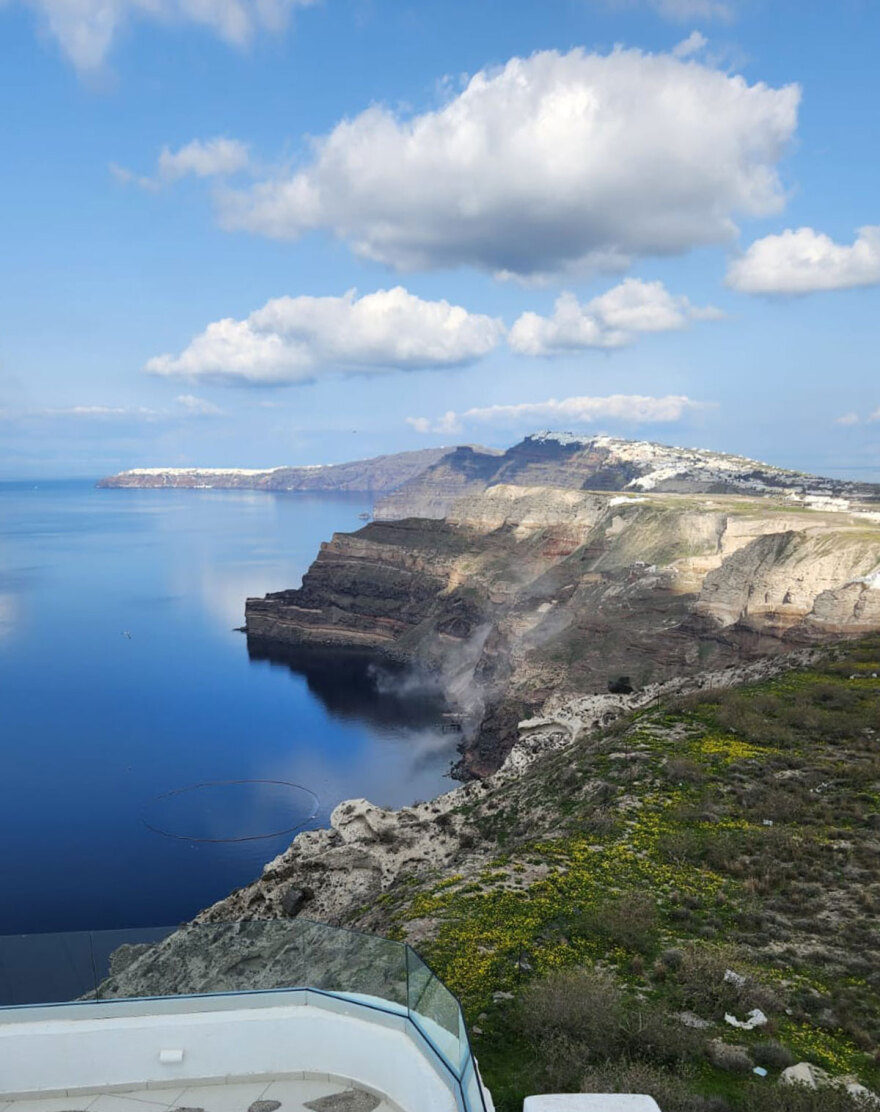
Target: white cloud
{"type": "Point", "coordinates": [693, 44]}
{"type": "Point", "coordinates": [447, 424]}
{"type": "Point", "coordinates": [190, 406]}
{"type": "Point", "coordinates": [85, 29]}
{"type": "Point", "coordinates": [296, 339]}
{"type": "Point", "coordinates": [631, 408]}
{"type": "Point", "coordinates": [138, 411]}
{"type": "Point", "coordinates": [608, 321]}
{"type": "Point", "coordinates": [198, 407]}
{"type": "Point", "coordinates": [847, 419]}
{"type": "Point", "coordinates": [551, 163]}
{"type": "Point", "coordinates": [202, 158]}
{"type": "Point", "coordinates": [806, 261]}
{"type": "Point", "coordinates": [875, 416]}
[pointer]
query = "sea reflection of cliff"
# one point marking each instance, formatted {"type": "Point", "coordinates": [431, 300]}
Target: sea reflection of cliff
{"type": "Point", "coordinates": [353, 685]}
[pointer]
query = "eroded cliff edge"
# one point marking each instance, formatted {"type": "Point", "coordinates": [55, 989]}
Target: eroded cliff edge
{"type": "Point", "coordinates": [523, 592]}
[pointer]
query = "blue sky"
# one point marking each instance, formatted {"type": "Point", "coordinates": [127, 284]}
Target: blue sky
{"type": "Point", "coordinates": [380, 225]}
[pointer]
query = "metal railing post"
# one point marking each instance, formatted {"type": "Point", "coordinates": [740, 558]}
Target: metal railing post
{"type": "Point", "coordinates": [406, 967]}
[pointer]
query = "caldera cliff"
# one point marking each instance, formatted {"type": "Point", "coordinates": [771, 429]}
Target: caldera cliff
{"type": "Point", "coordinates": [522, 591]}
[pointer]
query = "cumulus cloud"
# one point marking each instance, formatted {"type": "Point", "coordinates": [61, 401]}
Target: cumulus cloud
{"type": "Point", "coordinates": [201, 158]}
{"type": "Point", "coordinates": [806, 261]}
{"type": "Point", "coordinates": [551, 163]}
{"type": "Point", "coordinates": [85, 29]}
{"type": "Point", "coordinates": [296, 339]}
{"type": "Point", "coordinates": [630, 408]}
{"type": "Point", "coordinates": [608, 321]}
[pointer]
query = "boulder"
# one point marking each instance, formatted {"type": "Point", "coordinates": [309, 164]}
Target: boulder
{"type": "Point", "coordinates": [293, 899]}
{"type": "Point", "coordinates": [805, 1073]}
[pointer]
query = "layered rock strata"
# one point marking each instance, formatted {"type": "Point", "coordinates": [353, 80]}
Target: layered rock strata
{"type": "Point", "coordinates": [525, 591]}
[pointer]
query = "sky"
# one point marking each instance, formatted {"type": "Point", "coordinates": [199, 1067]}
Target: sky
{"type": "Point", "coordinates": [254, 233]}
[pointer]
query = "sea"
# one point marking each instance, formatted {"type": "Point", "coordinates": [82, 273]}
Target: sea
{"type": "Point", "coordinates": [149, 764]}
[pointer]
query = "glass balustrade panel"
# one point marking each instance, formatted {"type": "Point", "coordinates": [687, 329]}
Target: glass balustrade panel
{"type": "Point", "coordinates": [435, 1011]}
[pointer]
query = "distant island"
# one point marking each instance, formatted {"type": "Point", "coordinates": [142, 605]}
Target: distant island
{"type": "Point", "coordinates": [378, 475]}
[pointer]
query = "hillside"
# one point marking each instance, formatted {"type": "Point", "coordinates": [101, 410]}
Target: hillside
{"type": "Point", "coordinates": [553, 459]}
{"type": "Point", "coordinates": [641, 867]}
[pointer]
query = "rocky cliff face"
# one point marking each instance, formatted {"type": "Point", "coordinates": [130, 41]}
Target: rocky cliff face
{"type": "Point", "coordinates": [604, 463]}
{"type": "Point", "coordinates": [525, 591]}
{"type": "Point", "coordinates": [378, 475]}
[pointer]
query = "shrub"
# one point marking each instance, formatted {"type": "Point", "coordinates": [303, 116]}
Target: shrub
{"type": "Point", "coordinates": [576, 1005]}
{"type": "Point", "coordinates": [699, 984]}
{"type": "Point", "coordinates": [773, 1055]}
{"type": "Point", "coordinates": [673, 1092]}
{"type": "Point", "coordinates": [764, 1097]}
{"type": "Point", "coordinates": [630, 921]}
{"type": "Point", "coordinates": [683, 770]}
{"type": "Point", "coordinates": [729, 1057]}
{"type": "Point", "coordinates": [578, 1016]}
{"type": "Point", "coordinates": [647, 1034]}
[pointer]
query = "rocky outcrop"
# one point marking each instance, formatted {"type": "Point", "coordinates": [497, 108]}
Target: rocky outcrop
{"type": "Point", "coordinates": [366, 850]}
{"type": "Point", "coordinates": [524, 591]}
{"type": "Point", "coordinates": [378, 475]}
{"type": "Point", "coordinates": [801, 584]}
{"type": "Point", "coordinates": [552, 459]}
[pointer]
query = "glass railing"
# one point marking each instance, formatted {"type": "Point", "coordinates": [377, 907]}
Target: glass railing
{"type": "Point", "coordinates": [205, 960]}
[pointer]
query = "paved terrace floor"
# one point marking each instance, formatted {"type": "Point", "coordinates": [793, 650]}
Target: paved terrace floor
{"type": "Point", "coordinates": [231, 1096]}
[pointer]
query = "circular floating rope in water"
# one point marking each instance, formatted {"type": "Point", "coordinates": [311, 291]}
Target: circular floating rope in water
{"type": "Point", "coordinates": [163, 810]}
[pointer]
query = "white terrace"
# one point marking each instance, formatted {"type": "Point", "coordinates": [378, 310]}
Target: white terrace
{"type": "Point", "coordinates": [227, 1017]}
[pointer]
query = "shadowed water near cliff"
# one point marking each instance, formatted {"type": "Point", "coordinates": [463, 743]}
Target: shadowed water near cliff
{"type": "Point", "coordinates": [129, 702]}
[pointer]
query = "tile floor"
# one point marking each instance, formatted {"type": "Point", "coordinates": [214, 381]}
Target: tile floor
{"type": "Point", "coordinates": [290, 1095]}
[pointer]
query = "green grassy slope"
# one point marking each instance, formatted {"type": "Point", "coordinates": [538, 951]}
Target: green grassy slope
{"type": "Point", "coordinates": [734, 830]}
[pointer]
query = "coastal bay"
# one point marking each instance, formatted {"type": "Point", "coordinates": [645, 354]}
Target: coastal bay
{"type": "Point", "coordinates": [126, 687]}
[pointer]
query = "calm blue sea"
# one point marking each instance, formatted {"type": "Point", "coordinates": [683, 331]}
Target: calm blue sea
{"type": "Point", "coordinates": [143, 753]}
